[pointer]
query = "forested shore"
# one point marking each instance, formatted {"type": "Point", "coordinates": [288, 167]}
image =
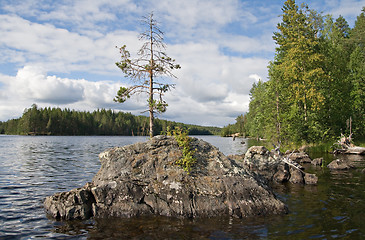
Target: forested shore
{"type": "Point", "coordinates": [316, 85]}
{"type": "Point", "coordinates": [57, 121]}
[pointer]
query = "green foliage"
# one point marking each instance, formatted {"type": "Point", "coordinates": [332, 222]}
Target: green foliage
{"type": "Point", "coordinates": [2, 128]}
{"type": "Point", "coordinates": [203, 130]}
{"type": "Point", "coordinates": [316, 81]}
{"type": "Point", "coordinates": [183, 140]}
{"type": "Point", "coordinates": [238, 127]}
{"type": "Point", "coordinates": [260, 113]}
{"type": "Point", "coordinates": [160, 105]}
{"type": "Point", "coordinates": [122, 95]}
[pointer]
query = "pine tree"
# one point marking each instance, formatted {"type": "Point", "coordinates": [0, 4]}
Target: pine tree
{"type": "Point", "coordinates": [151, 63]}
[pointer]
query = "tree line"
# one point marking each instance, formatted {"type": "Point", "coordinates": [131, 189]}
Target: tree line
{"type": "Point", "coordinates": [55, 121]}
{"type": "Point", "coordinates": [316, 85]}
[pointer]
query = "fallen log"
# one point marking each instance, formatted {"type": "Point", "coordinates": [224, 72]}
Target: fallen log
{"type": "Point", "coordinates": [351, 150]}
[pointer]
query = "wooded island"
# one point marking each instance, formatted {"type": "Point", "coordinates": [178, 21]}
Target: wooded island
{"type": "Point", "coordinates": [55, 121]}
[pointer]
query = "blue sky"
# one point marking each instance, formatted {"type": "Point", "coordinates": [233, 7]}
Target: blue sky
{"type": "Point", "coordinates": [62, 53]}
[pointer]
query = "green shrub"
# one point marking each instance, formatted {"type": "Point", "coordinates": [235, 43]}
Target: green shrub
{"type": "Point", "coordinates": [183, 140]}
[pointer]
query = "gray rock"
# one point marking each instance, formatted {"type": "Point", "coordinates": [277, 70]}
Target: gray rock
{"type": "Point", "coordinates": [340, 164]}
{"type": "Point", "coordinates": [273, 167]}
{"type": "Point", "coordinates": [317, 161]}
{"type": "Point", "coordinates": [300, 157]}
{"type": "Point", "coordinates": [143, 179]}
{"type": "Point", "coordinates": [76, 204]}
{"type": "Point", "coordinates": [310, 179]}
{"type": "Point", "coordinates": [296, 176]}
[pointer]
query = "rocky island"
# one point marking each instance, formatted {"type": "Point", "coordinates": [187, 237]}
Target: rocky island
{"type": "Point", "coordinates": [144, 179]}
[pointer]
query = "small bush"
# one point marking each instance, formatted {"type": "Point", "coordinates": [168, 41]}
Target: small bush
{"type": "Point", "coordinates": [183, 140]}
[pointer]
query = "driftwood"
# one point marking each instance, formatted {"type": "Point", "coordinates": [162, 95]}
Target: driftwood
{"type": "Point", "coordinates": [287, 159]}
{"type": "Point", "coordinates": [347, 147]}
{"type": "Point", "coordinates": [351, 150]}
{"type": "Point", "coordinates": [346, 142]}
{"type": "Point", "coordinates": [293, 163]}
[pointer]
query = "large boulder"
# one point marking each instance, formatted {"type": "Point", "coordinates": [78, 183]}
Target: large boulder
{"type": "Point", "coordinates": [143, 179]}
{"type": "Point", "coordinates": [274, 167]}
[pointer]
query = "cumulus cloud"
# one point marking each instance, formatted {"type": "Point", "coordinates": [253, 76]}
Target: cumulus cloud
{"type": "Point", "coordinates": [32, 85]}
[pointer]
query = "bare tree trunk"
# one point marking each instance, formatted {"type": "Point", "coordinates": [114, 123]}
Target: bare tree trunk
{"type": "Point", "coordinates": [151, 106]}
{"type": "Point", "coordinates": [151, 80]}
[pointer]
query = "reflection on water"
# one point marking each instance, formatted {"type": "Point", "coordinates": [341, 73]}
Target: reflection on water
{"type": "Point", "coordinates": [32, 168]}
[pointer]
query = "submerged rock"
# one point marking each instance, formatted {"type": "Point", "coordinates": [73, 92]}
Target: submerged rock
{"type": "Point", "coordinates": [273, 167]}
{"type": "Point", "coordinates": [75, 204]}
{"type": "Point", "coordinates": [317, 162]}
{"type": "Point", "coordinates": [339, 164]}
{"type": "Point", "coordinates": [143, 179]}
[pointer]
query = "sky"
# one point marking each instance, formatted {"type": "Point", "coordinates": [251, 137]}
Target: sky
{"type": "Point", "coordinates": [63, 53]}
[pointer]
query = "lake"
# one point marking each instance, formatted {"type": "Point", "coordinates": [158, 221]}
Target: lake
{"type": "Point", "coordinates": [33, 167]}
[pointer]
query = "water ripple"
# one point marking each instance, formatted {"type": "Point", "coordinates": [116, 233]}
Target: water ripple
{"type": "Point", "coordinates": [32, 168]}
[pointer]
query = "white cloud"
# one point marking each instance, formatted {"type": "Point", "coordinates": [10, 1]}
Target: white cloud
{"type": "Point", "coordinates": [32, 83]}
{"type": "Point", "coordinates": [212, 113]}
{"type": "Point", "coordinates": [81, 14]}
{"type": "Point", "coordinates": [349, 9]}
{"type": "Point", "coordinates": [255, 77]}
{"type": "Point", "coordinates": [60, 50]}
{"type": "Point", "coordinates": [246, 44]}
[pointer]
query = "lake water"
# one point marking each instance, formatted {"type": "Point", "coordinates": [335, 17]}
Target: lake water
{"type": "Point", "coordinates": [33, 167]}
